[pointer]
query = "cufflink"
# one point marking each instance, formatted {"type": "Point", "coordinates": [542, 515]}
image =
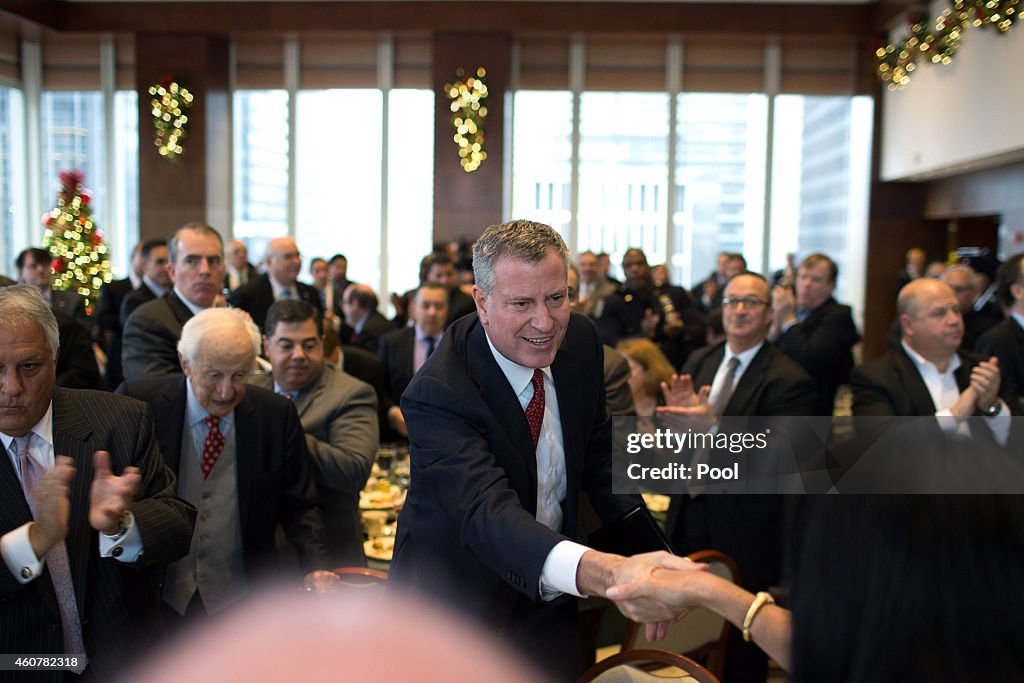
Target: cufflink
{"type": "Point", "coordinates": [26, 573]}
{"type": "Point", "coordinates": [117, 552]}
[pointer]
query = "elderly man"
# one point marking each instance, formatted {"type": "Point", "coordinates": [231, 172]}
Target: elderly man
{"type": "Point", "coordinates": [359, 304]}
{"type": "Point", "coordinates": [404, 351]}
{"type": "Point", "coordinates": [814, 329]}
{"type": "Point", "coordinates": [507, 423]}
{"type": "Point", "coordinates": [239, 270]}
{"type": "Point", "coordinates": [283, 263]}
{"type": "Point", "coordinates": [964, 282]}
{"type": "Point", "coordinates": [1005, 341]}
{"type": "Point", "coordinates": [151, 333]}
{"type": "Point", "coordinates": [240, 455]}
{"type": "Point", "coordinates": [338, 414]}
{"type": "Point", "coordinates": [665, 315]}
{"type": "Point", "coordinates": [81, 480]}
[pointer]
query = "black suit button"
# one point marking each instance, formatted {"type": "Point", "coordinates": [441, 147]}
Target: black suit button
{"type": "Point", "coordinates": [117, 552]}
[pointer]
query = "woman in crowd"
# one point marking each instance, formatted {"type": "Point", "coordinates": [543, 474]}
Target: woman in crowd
{"type": "Point", "coordinates": [649, 368]}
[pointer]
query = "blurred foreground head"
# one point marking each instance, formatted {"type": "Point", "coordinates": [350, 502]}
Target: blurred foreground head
{"type": "Point", "coordinates": [378, 636]}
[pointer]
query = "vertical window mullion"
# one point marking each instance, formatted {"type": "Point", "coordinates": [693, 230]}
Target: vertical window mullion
{"type": "Point", "coordinates": [577, 68]}
{"type": "Point", "coordinates": [291, 84]}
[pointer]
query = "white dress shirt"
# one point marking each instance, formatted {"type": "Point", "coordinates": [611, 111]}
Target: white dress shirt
{"type": "Point", "coordinates": [15, 545]}
{"type": "Point", "coordinates": [559, 572]}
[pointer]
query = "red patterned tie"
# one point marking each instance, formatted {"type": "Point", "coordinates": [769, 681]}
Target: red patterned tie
{"type": "Point", "coordinates": [213, 446]}
{"type": "Point", "coordinates": [535, 409]}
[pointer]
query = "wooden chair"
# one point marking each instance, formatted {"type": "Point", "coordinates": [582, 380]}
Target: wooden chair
{"type": "Point", "coordinates": [701, 634]}
{"type": "Point", "coordinates": [622, 668]}
{"type": "Point", "coordinates": [361, 577]}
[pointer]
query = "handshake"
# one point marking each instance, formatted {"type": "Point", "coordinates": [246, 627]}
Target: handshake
{"type": "Point", "coordinates": [657, 589]}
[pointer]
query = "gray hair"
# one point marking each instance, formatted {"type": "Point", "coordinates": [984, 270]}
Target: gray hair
{"type": "Point", "coordinates": [961, 268]}
{"type": "Point", "coordinates": [523, 240]}
{"type": "Point", "coordinates": [21, 303]}
{"type": "Point", "coordinates": [173, 245]}
{"type": "Point", "coordinates": [214, 321]}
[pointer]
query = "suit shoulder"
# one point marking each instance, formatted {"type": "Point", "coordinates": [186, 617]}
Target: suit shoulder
{"type": "Point", "coordinates": [396, 336]}
{"type": "Point", "coordinates": [146, 389]}
{"type": "Point", "coordinates": [265, 398]}
{"type": "Point", "coordinates": [103, 403]}
{"type": "Point", "coordinates": [698, 357]}
{"type": "Point", "coordinates": [875, 371]}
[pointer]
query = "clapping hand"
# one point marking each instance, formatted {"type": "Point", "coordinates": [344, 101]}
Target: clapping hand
{"type": "Point", "coordinates": [111, 495]}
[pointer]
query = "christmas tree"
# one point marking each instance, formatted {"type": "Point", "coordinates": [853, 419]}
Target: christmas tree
{"type": "Point", "coordinates": [80, 260]}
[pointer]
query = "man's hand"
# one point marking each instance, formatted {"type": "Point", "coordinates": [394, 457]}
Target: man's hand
{"type": "Point", "coordinates": [700, 408]}
{"type": "Point", "coordinates": [322, 581]}
{"type": "Point", "coordinates": [397, 421]}
{"type": "Point", "coordinates": [985, 381]}
{"type": "Point", "coordinates": [649, 324]}
{"type": "Point", "coordinates": [678, 391]}
{"type": "Point", "coordinates": [51, 500]}
{"type": "Point", "coordinates": [110, 495]}
{"type": "Point", "coordinates": [783, 310]}
{"type": "Point", "coordinates": [654, 591]}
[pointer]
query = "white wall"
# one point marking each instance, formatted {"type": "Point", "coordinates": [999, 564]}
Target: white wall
{"type": "Point", "coordinates": [958, 117]}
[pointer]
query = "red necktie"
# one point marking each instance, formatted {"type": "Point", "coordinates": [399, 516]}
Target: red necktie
{"type": "Point", "coordinates": [213, 446]}
{"type": "Point", "coordinates": [535, 409]}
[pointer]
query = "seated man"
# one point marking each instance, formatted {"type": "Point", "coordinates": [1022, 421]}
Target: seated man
{"type": "Point", "coordinates": [240, 455]}
{"type": "Point", "coordinates": [368, 325]}
{"type": "Point", "coordinates": [339, 417]}
{"type": "Point", "coordinates": [86, 504]}
{"type": "Point", "coordinates": [404, 351]}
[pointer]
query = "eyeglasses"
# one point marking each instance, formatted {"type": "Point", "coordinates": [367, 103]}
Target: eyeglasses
{"type": "Point", "coordinates": [750, 302]}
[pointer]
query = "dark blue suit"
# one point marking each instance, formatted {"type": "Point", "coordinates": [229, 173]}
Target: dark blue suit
{"type": "Point", "coordinates": [468, 532]}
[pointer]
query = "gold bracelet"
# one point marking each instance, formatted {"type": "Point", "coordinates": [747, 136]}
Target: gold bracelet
{"type": "Point", "coordinates": [760, 600]}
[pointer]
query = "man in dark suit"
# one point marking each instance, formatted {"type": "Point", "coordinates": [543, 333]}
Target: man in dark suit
{"type": "Point", "coordinates": [239, 271]}
{"type": "Point", "coordinates": [742, 376]}
{"type": "Point", "coordinates": [34, 268]}
{"type": "Point", "coordinates": [507, 423]}
{"type": "Point", "coordinates": [1005, 341]}
{"type": "Point", "coordinates": [404, 351]}
{"type": "Point", "coordinates": [338, 414]}
{"type": "Point", "coordinates": [963, 448]}
{"type": "Point", "coordinates": [360, 306]}
{"type": "Point", "coordinates": [665, 315]}
{"type": "Point", "coordinates": [84, 495]}
{"type": "Point", "coordinates": [814, 329]}
{"type": "Point", "coordinates": [240, 456]}
{"type": "Point", "coordinates": [963, 280]}
{"type": "Point", "coordinates": [156, 281]}
{"type": "Point", "coordinates": [440, 269]}
{"type": "Point", "coordinates": [151, 333]}
{"type": "Point", "coordinates": [108, 317]}
{"type": "Point", "coordinates": [283, 263]}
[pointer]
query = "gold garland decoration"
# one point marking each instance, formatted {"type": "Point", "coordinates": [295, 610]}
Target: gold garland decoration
{"type": "Point", "coordinates": [938, 41]}
{"type": "Point", "coordinates": [467, 97]}
{"type": "Point", "coordinates": [170, 100]}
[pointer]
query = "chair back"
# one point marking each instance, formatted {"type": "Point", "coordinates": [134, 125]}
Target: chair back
{"type": "Point", "coordinates": [360, 577]}
{"type": "Point", "coordinates": [624, 667]}
{"type": "Point", "coordinates": [701, 634]}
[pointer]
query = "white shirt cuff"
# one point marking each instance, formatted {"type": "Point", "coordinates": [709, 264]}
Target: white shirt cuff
{"type": "Point", "coordinates": [946, 421]}
{"type": "Point", "coordinates": [18, 555]}
{"type": "Point", "coordinates": [558, 575]}
{"type": "Point", "coordinates": [130, 544]}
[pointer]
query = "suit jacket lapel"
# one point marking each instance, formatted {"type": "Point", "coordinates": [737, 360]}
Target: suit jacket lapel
{"type": "Point", "coordinates": [501, 400]}
{"type": "Point", "coordinates": [566, 367]}
{"type": "Point", "coordinates": [169, 432]}
{"type": "Point", "coordinates": [705, 374]}
{"type": "Point", "coordinates": [307, 397]}
{"type": "Point", "coordinates": [71, 432]}
{"type": "Point", "coordinates": [406, 351]}
{"type": "Point", "coordinates": [914, 387]}
{"type": "Point", "coordinates": [741, 401]}
{"type": "Point", "coordinates": [245, 445]}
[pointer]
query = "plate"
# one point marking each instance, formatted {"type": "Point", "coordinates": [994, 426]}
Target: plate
{"type": "Point", "coordinates": [380, 548]}
{"type": "Point", "coordinates": [381, 500]}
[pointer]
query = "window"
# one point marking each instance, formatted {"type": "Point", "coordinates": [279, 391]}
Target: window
{"type": "Point", "coordinates": [338, 177]}
{"type": "Point", "coordinates": [720, 160]}
{"type": "Point", "coordinates": [542, 163]}
{"type": "Point", "coordinates": [623, 173]}
{"type": "Point", "coordinates": [13, 214]}
{"type": "Point", "coordinates": [72, 134]}
{"type": "Point", "coordinates": [820, 182]}
{"type": "Point", "coordinates": [261, 167]}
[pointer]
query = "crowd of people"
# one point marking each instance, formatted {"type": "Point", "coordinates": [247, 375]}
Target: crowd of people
{"type": "Point", "coordinates": [211, 424]}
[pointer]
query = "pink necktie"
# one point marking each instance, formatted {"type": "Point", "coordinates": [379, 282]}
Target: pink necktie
{"type": "Point", "coordinates": [535, 409]}
{"type": "Point", "coordinates": [56, 559]}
